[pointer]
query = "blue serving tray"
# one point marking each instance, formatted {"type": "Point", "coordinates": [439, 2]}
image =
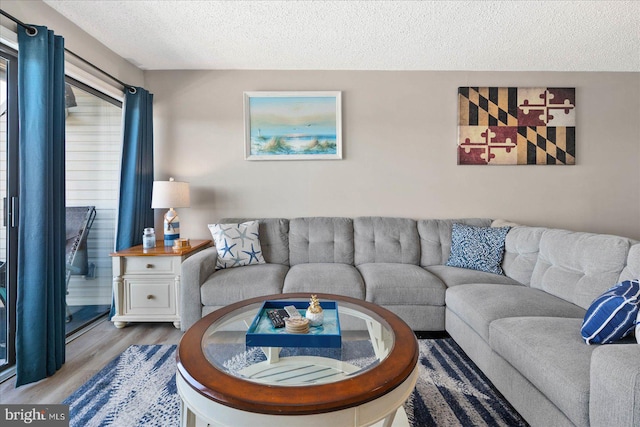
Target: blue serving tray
{"type": "Point", "coordinates": [261, 333]}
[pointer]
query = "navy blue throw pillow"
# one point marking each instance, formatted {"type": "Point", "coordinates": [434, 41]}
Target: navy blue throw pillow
{"type": "Point", "coordinates": [612, 315]}
{"type": "Point", "coordinates": [477, 248]}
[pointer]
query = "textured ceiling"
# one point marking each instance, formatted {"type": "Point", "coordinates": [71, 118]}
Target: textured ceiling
{"type": "Point", "coordinates": [366, 35]}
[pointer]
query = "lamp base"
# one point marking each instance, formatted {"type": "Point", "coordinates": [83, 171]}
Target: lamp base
{"type": "Point", "coordinates": [171, 227]}
{"type": "Point", "coordinates": [169, 243]}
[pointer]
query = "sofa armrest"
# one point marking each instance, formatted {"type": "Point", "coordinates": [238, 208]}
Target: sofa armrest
{"type": "Point", "coordinates": [615, 386]}
{"type": "Point", "coordinates": [195, 270]}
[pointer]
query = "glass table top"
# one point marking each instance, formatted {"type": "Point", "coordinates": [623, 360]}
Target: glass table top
{"type": "Point", "coordinates": [366, 341]}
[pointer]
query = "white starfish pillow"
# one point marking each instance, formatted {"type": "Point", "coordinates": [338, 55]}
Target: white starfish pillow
{"type": "Point", "coordinates": [237, 244]}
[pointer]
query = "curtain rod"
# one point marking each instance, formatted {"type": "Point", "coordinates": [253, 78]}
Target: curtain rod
{"type": "Point", "coordinates": [31, 30]}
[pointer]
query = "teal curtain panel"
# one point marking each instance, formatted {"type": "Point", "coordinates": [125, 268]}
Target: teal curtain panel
{"type": "Point", "coordinates": [136, 174]}
{"type": "Point", "coordinates": [40, 310]}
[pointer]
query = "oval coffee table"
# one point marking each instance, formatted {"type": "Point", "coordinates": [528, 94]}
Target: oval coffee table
{"type": "Point", "coordinates": [364, 382]}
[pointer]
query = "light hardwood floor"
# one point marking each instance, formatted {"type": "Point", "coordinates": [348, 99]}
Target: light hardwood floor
{"type": "Point", "coordinates": [85, 356]}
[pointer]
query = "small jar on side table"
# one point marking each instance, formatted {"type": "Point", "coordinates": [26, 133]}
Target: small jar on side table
{"type": "Point", "coordinates": [146, 282]}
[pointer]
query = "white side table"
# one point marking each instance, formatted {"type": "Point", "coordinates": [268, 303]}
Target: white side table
{"type": "Point", "coordinates": [146, 283]}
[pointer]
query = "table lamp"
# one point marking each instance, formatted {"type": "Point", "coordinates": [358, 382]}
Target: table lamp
{"type": "Point", "coordinates": [170, 194]}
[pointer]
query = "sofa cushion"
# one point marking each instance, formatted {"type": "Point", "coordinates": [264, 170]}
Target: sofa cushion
{"type": "Point", "coordinates": [454, 276]}
{"type": "Point", "coordinates": [401, 284]}
{"type": "Point", "coordinates": [331, 278]}
{"type": "Point", "coordinates": [378, 239]}
{"type": "Point", "coordinates": [612, 315]}
{"type": "Point", "coordinates": [479, 304]}
{"type": "Point", "coordinates": [435, 238]}
{"type": "Point", "coordinates": [578, 267]}
{"type": "Point", "coordinates": [235, 284]}
{"type": "Point", "coordinates": [237, 244]}
{"type": "Point", "coordinates": [321, 240]}
{"type": "Point", "coordinates": [615, 392]}
{"type": "Point", "coordinates": [550, 354]}
{"type": "Point", "coordinates": [274, 238]}
{"type": "Point", "coordinates": [632, 269]}
{"type": "Point", "coordinates": [521, 249]}
{"type": "Point", "coordinates": [477, 248]}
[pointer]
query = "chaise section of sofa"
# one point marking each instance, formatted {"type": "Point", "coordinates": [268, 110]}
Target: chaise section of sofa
{"type": "Point", "coordinates": [527, 338]}
{"type": "Point", "coordinates": [615, 385]}
{"type": "Point", "coordinates": [550, 354]}
{"type": "Point", "coordinates": [615, 371]}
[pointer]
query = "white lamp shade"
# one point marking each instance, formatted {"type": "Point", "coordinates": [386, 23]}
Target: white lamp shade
{"type": "Point", "coordinates": [170, 194]}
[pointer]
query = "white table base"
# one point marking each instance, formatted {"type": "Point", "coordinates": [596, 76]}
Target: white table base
{"type": "Point", "coordinates": [198, 410]}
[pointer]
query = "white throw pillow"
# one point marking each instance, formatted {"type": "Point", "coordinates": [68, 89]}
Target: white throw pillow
{"type": "Point", "coordinates": [237, 244]}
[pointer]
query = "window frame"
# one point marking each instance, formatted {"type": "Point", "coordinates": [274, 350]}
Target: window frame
{"type": "Point", "coordinates": [13, 173]}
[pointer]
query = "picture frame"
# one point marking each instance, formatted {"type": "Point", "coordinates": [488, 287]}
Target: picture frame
{"type": "Point", "coordinates": [516, 125]}
{"type": "Point", "coordinates": [293, 125]}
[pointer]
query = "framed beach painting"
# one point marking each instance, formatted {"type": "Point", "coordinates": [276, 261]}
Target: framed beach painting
{"type": "Point", "coordinates": [293, 125]}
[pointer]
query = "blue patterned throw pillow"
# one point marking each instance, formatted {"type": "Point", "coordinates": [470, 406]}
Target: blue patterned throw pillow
{"type": "Point", "coordinates": [237, 244]}
{"type": "Point", "coordinates": [477, 248]}
{"type": "Point", "coordinates": [612, 315]}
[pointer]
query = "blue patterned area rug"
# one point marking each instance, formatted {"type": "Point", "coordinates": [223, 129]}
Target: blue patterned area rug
{"type": "Point", "coordinates": [138, 389]}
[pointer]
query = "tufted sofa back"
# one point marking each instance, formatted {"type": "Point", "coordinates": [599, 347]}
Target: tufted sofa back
{"type": "Point", "coordinates": [632, 269]}
{"type": "Point", "coordinates": [520, 252]}
{"type": "Point", "coordinates": [316, 240]}
{"type": "Point", "coordinates": [575, 266]}
{"type": "Point", "coordinates": [521, 248]}
{"type": "Point", "coordinates": [274, 237]}
{"type": "Point", "coordinates": [578, 267]}
{"type": "Point", "coordinates": [381, 239]}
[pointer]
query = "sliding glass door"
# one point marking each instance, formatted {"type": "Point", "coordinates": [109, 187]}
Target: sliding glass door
{"type": "Point", "coordinates": [8, 196]}
{"type": "Point", "coordinates": [93, 145]}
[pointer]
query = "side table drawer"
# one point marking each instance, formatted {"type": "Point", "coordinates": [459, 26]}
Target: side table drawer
{"type": "Point", "coordinates": [150, 296]}
{"type": "Point", "coordinates": [149, 265]}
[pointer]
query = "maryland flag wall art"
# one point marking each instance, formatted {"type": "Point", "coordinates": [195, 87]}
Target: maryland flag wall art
{"type": "Point", "coordinates": [516, 126]}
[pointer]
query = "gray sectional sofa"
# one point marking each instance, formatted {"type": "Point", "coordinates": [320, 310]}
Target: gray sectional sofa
{"type": "Point", "coordinates": [521, 328]}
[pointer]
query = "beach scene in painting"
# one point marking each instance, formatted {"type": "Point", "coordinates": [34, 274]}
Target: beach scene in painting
{"type": "Point", "coordinates": [282, 126]}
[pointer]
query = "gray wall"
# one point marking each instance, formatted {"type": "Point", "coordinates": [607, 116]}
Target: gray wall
{"type": "Point", "coordinates": [399, 134]}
